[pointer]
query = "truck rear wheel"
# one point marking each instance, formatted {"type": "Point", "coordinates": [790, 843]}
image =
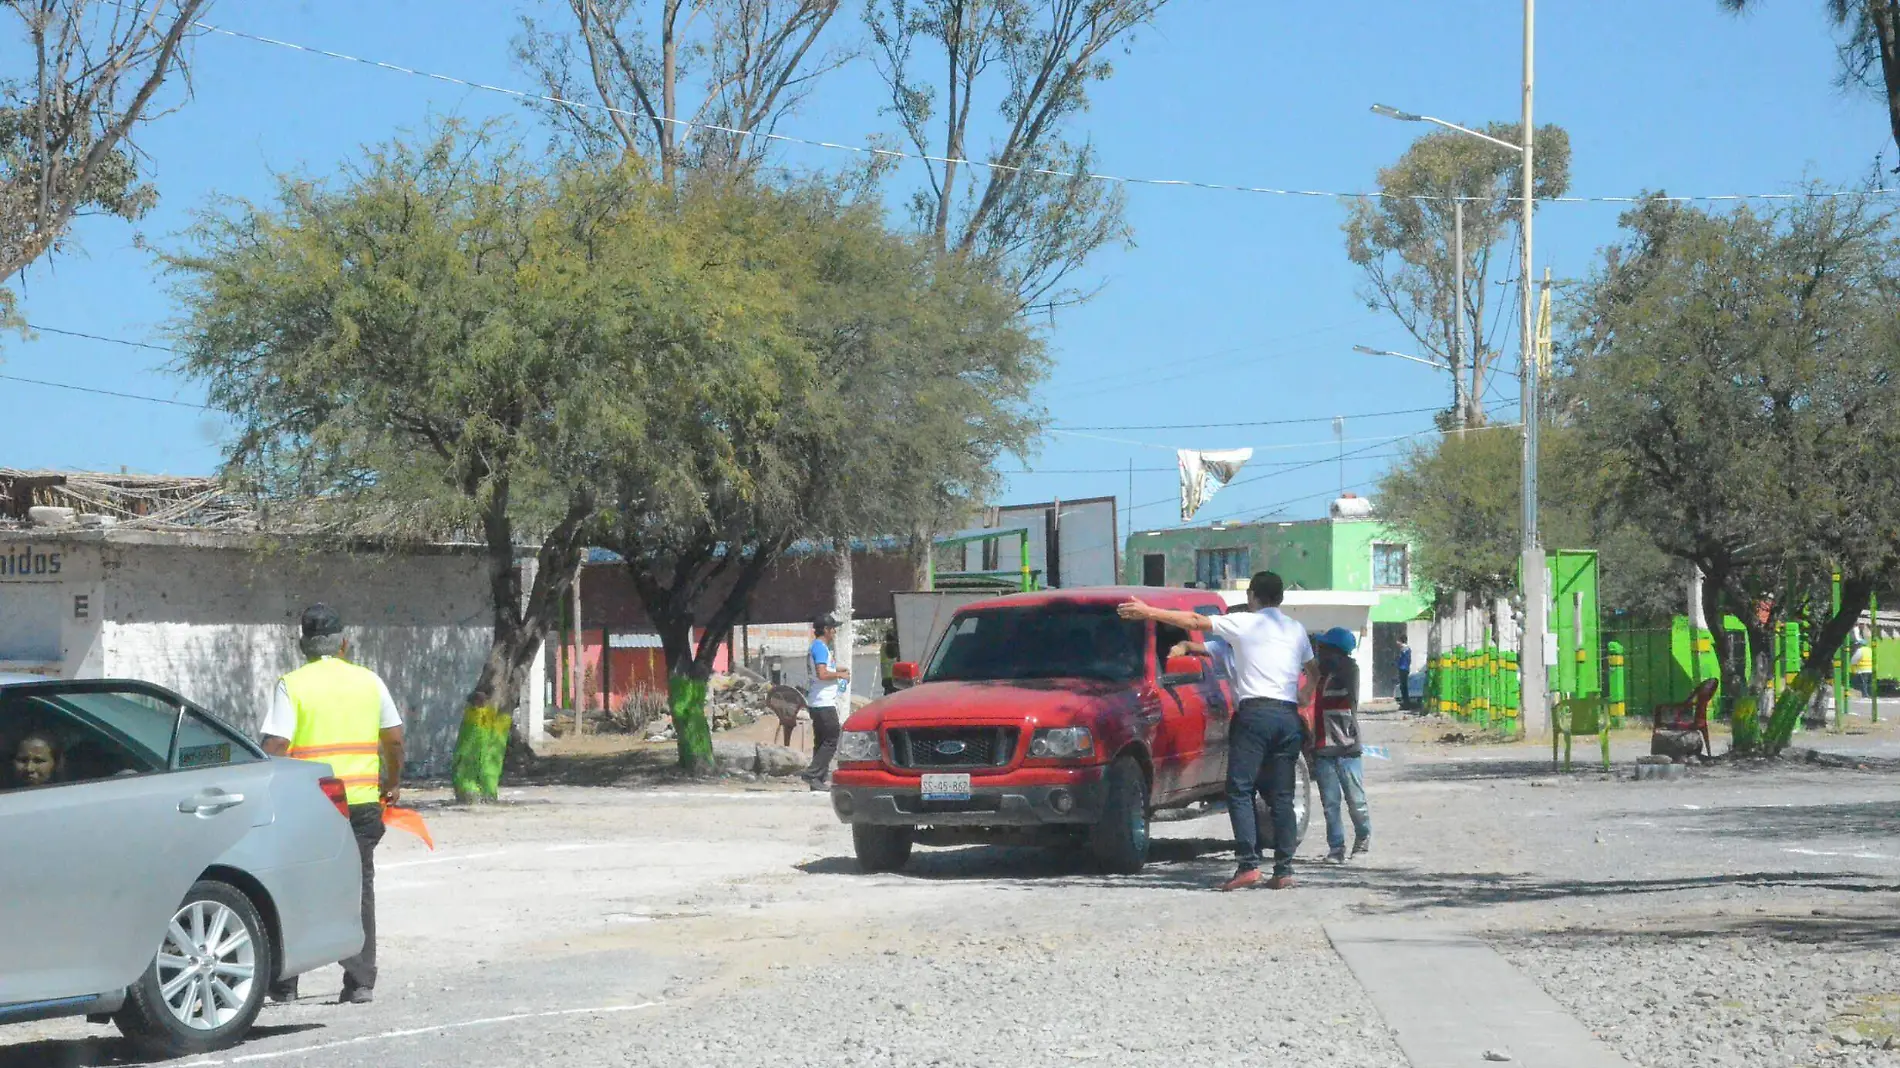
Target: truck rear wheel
{"type": "Point", "coordinates": [882, 848]}
{"type": "Point", "coordinates": [1120, 840]}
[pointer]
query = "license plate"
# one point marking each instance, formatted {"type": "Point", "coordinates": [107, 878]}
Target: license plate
{"type": "Point", "coordinates": [946, 787]}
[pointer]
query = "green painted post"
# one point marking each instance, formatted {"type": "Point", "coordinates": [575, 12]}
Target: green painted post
{"type": "Point", "coordinates": [1022, 544]}
{"type": "Point", "coordinates": [1873, 650]}
{"type": "Point", "coordinates": [1840, 666]}
{"type": "Point", "coordinates": [1617, 689]}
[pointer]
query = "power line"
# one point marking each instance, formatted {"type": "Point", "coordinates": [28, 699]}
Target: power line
{"type": "Point", "coordinates": [108, 393]}
{"type": "Point", "coordinates": [1168, 470]}
{"type": "Point", "coordinates": [96, 337]}
{"type": "Point", "coordinates": [889, 153]}
{"type": "Point", "coordinates": [1259, 422]}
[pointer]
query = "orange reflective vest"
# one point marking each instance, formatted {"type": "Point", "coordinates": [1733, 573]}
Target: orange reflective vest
{"type": "Point", "coordinates": [339, 722]}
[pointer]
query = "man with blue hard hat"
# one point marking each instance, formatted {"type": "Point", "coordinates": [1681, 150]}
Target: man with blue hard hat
{"type": "Point", "coordinates": [1337, 754]}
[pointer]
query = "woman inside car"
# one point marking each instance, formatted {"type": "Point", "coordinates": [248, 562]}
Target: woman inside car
{"type": "Point", "coordinates": [37, 760]}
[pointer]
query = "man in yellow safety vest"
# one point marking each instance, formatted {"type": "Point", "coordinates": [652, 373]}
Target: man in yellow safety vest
{"type": "Point", "coordinates": [336, 713]}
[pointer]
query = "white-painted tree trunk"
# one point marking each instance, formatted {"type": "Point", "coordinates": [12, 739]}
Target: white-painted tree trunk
{"type": "Point", "coordinates": [842, 598]}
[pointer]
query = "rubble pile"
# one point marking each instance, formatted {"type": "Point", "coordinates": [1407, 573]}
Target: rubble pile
{"type": "Point", "coordinates": [731, 701]}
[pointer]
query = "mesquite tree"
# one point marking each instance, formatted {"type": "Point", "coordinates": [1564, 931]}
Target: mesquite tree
{"type": "Point", "coordinates": [445, 341]}
{"type": "Point", "coordinates": [94, 75]}
{"type": "Point", "coordinates": [872, 380]}
{"type": "Point", "coordinates": [1735, 377]}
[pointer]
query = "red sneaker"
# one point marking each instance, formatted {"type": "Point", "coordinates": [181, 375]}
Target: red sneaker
{"type": "Point", "coordinates": [1280, 882]}
{"type": "Point", "coordinates": [1242, 880]}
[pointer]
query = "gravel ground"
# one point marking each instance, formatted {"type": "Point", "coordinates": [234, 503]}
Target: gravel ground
{"type": "Point", "coordinates": [1050, 988]}
{"type": "Point", "coordinates": [1772, 997]}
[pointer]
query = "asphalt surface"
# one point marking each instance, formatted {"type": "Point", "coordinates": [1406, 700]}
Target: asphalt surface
{"type": "Point", "coordinates": [1740, 915]}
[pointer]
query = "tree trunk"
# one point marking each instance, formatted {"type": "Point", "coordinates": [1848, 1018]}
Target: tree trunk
{"type": "Point", "coordinates": [1818, 667]}
{"type": "Point", "coordinates": [488, 717]}
{"type": "Point", "coordinates": [522, 619]}
{"type": "Point", "coordinates": [686, 701]}
{"type": "Point", "coordinates": [1728, 666]}
{"type": "Point", "coordinates": [843, 602]}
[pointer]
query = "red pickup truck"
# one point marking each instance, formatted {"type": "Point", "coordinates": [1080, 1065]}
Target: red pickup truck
{"type": "Point", "coordinates": [1042, 718]}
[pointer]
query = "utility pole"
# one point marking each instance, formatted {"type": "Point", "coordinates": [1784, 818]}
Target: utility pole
{"type": "Point", "coordinates": [1463, 416]}
{"type": "Point", "coordinates": [1339, 436]}
{"type": "Point", "coordinates": [1534, 701]}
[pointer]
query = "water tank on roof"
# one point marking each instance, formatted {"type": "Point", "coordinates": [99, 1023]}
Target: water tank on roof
{"type": "Point", "coordinates": [1351, 506]}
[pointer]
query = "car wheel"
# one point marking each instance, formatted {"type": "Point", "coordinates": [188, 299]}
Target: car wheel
{"type": "Point", "coordinates": [1302, 809]}
{"type": "Point", "coordinates": [208, 979]}
{"type": "Point", "coordinates": [1120, 840]}
{"type": "Point", "coordinates": [882, 848]}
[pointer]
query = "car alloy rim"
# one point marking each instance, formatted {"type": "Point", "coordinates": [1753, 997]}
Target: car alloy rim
{"type": "Point", "coordinates": [207, 965]}
{"type": "Point", "coordinates": [1299, 792]}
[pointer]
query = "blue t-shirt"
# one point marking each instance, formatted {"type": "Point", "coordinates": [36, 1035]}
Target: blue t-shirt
{"type": "Point", "coordinates": [822, 693]}
{"type": "Point", "coordinates": [1405, 659]}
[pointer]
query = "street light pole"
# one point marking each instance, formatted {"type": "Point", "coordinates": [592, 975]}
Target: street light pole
{"type": "Point", "coordinates": [1462, 415]}
{"type": "Point", "coordinates": [1534, 700]}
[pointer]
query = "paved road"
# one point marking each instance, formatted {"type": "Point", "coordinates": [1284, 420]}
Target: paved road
{"type": "Point", "coordinates": [729, 926]}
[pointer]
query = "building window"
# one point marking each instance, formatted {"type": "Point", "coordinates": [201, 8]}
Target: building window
{"type": "Point", "coordinates": [1154, 569]}
{"type": "Point", "coordinates": [1391, 566]}
{"type": "Point", "coordinates": [1221, 569]}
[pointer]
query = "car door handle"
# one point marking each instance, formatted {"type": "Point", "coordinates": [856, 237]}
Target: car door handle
{"type": "Point", "coordinates": [209, 804]}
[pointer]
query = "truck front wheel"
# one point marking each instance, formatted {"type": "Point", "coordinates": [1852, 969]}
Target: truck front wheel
{"type": "Point", "coordinates": [1120, 840]}
{"type": "Point", "coordinates": [882, 848]}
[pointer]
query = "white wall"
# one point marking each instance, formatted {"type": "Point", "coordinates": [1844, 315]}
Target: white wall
{"type": "Point", "coordinates": [220, 626]}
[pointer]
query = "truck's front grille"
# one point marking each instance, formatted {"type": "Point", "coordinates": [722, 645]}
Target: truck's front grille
{"type": "Point", "coordinates": [953, 747]}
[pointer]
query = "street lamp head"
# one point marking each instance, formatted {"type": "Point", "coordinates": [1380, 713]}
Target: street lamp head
{"type": "Point", "coordinates": [1370, 351]}
{"type": "Point", "coordinates": [1394, 113]}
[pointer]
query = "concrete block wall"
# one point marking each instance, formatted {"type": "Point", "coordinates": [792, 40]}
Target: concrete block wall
{"type": "Point", "coordinates": [220, 626]}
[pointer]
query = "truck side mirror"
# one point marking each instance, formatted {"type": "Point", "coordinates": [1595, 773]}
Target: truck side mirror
{"type": "Point", "coordinates": [904, 671]}
{"type": "Point", "coordinates": [1186, 668]}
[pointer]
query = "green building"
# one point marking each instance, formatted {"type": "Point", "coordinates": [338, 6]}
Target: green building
{"type": "Point", "coordinates": [1349, 552]}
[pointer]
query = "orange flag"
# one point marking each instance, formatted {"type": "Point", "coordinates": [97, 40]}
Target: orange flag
{"type": "Point", "coordinates": [407, 819]}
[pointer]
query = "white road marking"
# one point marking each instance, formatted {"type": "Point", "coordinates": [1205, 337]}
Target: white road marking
{"type": "Point", "coordinates": [1826, 853]}
{"type": "Point", "coordinates": [410, 1032]}
{"type": "Point", "coordinates": [440, 860]}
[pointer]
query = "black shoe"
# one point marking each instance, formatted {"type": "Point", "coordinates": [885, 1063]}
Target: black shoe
{"type": "Point", "coordinates": [284, 992]}
{"type": "Point", "coordinates": [1361, 846]}
{"type": "Point", "coordinates": [356, 995]}
{"type": "Point", "coordinates": [1337, 856]}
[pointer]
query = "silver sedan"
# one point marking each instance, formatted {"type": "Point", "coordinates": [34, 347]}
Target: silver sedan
{"type": "Point", "coordinates": [158, 869]}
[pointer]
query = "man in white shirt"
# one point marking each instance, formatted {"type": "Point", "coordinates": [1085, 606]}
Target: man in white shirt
{"type": "Point", "coordinates": [1273, 673]}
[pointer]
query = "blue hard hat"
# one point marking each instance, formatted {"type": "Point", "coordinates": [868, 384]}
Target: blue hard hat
{"type": "Point", "coordinates": [1341, 639]}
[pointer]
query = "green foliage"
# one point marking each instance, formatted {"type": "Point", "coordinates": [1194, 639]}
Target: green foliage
{"type": "Point", "coordinates": [1735, 375]}
{"type": "Point", "coordinates": [88, 75]}
{"type": "Point", "coordinates": [871, 388]}
{"type": "Point", "coordinates": [1458, 499]}
{"type": "Point", "coordinates": [1405, 245]}
{"type": "Point", "coordinates": [450, 340]}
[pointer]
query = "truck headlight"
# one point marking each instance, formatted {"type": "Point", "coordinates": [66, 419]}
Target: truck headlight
{"type": "Point", "coordinates": [859, 747]}
{"type": "Point", "coordinates": [1062, 743]}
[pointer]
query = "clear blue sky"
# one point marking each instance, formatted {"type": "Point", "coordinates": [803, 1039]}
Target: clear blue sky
{"type": "Point", "coordinates": [1674, 96]}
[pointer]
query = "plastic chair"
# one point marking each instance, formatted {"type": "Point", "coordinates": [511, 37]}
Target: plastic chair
{"type": "Point", "coordinates": [1689, 716]}
{"type": "Point", "coordinates": [1580, 715]}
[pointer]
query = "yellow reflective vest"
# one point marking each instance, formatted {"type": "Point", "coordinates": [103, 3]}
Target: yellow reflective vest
{"type": "Point", "coordinates": [339, 723]}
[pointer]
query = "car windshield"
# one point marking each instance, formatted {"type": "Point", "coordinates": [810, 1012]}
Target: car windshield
{"type": "Point", "coordinates": [1000, 644]}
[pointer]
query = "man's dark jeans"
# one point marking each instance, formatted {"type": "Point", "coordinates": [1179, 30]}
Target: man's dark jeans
{"type": "Point", "coordinates": [1263, 752]}
{"type": "Point", "coordinates": [824, 742]}
{"type": "Point", "coordinates": [367, 821]}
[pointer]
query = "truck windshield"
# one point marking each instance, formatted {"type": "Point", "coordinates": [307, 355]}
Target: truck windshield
{"type": "Point", "coordinates": [1039, 643]}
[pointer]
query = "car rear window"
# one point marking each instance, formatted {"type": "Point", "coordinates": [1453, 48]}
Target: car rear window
{"type": "Point", "coordinates": [1001, 644]}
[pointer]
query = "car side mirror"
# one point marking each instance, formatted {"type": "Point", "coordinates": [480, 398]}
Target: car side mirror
{"type": "Point", "coordinates": [1186, 668]}
{"type": "Point", "coordinates": [904, 671]}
